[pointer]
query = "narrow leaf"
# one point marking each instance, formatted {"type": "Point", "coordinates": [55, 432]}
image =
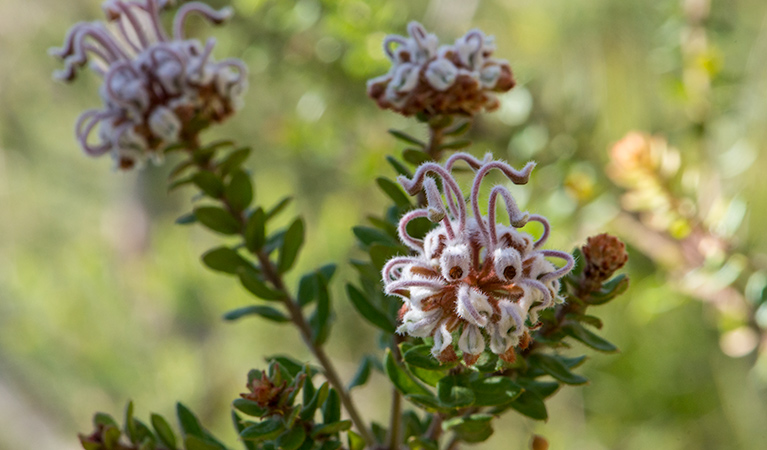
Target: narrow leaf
{"type": "Point", "coordinates": [217, 219]}
{"type": "Point", "coordinates": [368, 310]}
{"type": "Point", "coordinates": [415, 157]}
{"type": "Point", "coordinates": [402, 136]}
{"type": "Point", "coordinates": [208, 183]}
{"type": "Point", "coordinates": [239, 191]}
{"type": "Point", "coordinates": [556, 368]}
{"type": "Point", "coordinates": [264, 430]}
{"type": "Point", "coordinates": [224, 259]}
{"type": "Point", "coordinates": [164, 431]}
{"type": "Point", "coordinates": [579, 332]}
{"type": "Point", "coordinates": [330, 428]}
{"type": "Point", "coordinates": [255, 230]}
{"type": "Point", "coordinates": [394, 192]}
{"type": "Point", "coordinates": [255, 286]}
{"type": "Point", "coordinates": [401, 379]}
{"type": "Point", "coordinates": [267, 312]}
{"type": "Point", "coordinates": [294, 239]}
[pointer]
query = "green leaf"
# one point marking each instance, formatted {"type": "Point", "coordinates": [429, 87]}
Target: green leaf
{"type": "Point", "coordinates": [164, 431]}
{"type": "Point", "coordinates": [307, 412]}
{"type": "Point", "coordinates": [579, 332]}
{"type": "Point", "coordinates": [460, 129]}
{"type": "Point", "coordinates": [355, 441]}
{"type": "Point", "coordinates": [452, 393]}
{"type": "Point", "coordinates": [455, 145]}
{"type": "Point", "coordinates": [178, 183]}
{"type": "Point", "coordinates": [330, 445]}
{"type": "Point", "coordinates": [402, 136]}
{"type": "Point", "coordinates": [399, 167]}
{"type": "Point", "coordinates": [255, 286]}
{"type": "Point", "coordinates": [293, 366]}
{"type": "Point", "coordinates": [330, 428]}
{"type": "Point", "coordinates": [420, 356]}
{"type": "Point", "coordinates": [428, 402]}
{"type": "Point", "coordinates": [264, 430]}
{"type": "Point", "coordinates": [555, 367]}
{"type": "Point", "coordinates": [472, 429]}
{"type": "Point", "coordinates": [573, 362]}
{"type": "Point", "coordinates": [415, 156]}
{"type": "Point", "coordinates": [380, 254]}
{"type": "Point", "coordinates": [294, 239]}
{"type": "Point", "coordinates": [494, 391]}
{"type": "Point", "coordinates": [190, 426]}
{"type": "Point", "coordinates": [198, 443]}
{"type": "Point", "coordinates": [430, 377]}
{"type": "Point", "coordinates": [208, 183]}
{"type": "Point", "coordinates": [130, 424]}
{"type": "Point", "coordinates": [401, 379]}
{"type": "Point", "coordinates": [544, 389]}
{"type": "Point", "coordinates": [292, 439]}
{"type": "Point", "coordinates": [362, 375]}
{"type": "Point", "coordinates": [610, 290]}
{"type": "Point", "coordinates": [394, 192]}
{"type": "Point", "coordinates": [331, 409]}
{"type": "Point", "coordinates": [255, 230]}
{"type": "Point", "coordinates": [267, 312]}
{"type": "Point", "coordinates": [421, 443]}
{"type": "Point", "coordinates": [307, 289]}
{"type": "Point", "coordinates": [144, 435]}
{"type": "Point", "coordinates": [530, 405]}
{"type": "Point", "coordinates": [217, 219]}
{"type": "Point", "coordinates": [234, 160]}
{"type": "Point", "coordinates": [368, 310]}
{"type": "Point", "coordinates": [104, 419]}
{"type": "Point", "coordinates": [595, 322]}
{"type": "Point", "coordinates": [224, 259]}
{"type": "Point", "coordinates": [320, 320]}
{"type": "Point", "coordinates": [239, 426]}
{"type": "Point", "coordinates": [248, 407]}
{"type": "Point", "coordinates": [239, 191]}
{"type": "Point", "coordinates": [368, 236]}
{"type": "Point", "coordinates": [186, 219]}
{"type": "Point", "coordinates": [279, 207]}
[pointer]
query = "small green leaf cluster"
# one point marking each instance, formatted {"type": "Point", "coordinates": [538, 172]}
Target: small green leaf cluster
{"type": "Point", "coordinates": [137, 435]}
{"type": "Point", "coordinates": [285, 410]}
{"type": "Point", "coordinates": [260, 255]}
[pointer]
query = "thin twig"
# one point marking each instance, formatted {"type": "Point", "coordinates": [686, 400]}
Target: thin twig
{"type": "Point", "coordinates": [296, 314]}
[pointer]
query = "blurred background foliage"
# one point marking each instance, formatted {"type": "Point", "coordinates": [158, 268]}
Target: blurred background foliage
{"type": "Point", "coordinates": [103, 298]}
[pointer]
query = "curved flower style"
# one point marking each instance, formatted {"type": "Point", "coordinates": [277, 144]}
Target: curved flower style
{"type": "Point", "coordinates": [470, 277]}
{"type": "Point", "coordinates": [158, 89]}
{"type": "Point", "coordinates": [450, 79]}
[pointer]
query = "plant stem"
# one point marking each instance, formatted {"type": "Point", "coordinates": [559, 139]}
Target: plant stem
{"type": "Point", "coordinates": [435, 427]}
{"type": "Point", "coordinates": [435, 141]}
{"type": "Point", "coordinates": [395, 418]}
{"type": "Point", "coordinates": [453, 445]}
{"type": "Point", "coordinates": [296, 314]}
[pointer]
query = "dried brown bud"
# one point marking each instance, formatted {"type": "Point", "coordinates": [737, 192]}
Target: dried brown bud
{"type": "Point", "coordinates": [539, 443]}
{"type": "Point", "coordinates": [603, 255]}
{"type": "Point", "coordinates": [264, 392]}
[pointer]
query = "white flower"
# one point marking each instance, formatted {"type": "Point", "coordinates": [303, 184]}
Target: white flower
{"type": "Point", "coordinates": [473, 306]}
{"type": "Point", "coordinates": [441, 74]}
{"type": "Point", "coordinates": [471, 340]}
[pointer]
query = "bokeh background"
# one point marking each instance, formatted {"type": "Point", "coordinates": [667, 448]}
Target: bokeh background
{"type": "Point", "coordinates": [103, 299]}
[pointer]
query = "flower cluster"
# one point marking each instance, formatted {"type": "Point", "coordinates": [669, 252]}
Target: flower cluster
{"type": "Point", "coordinates": [157, 90]}
{"type": "Point", "coordinates": [471, 277]}
{"type": "Point", "coordinates": [433, 80]}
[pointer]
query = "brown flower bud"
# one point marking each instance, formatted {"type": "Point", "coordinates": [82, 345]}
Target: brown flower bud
{"type": "Point", "coordinates": [603, 255]}
{"type": "Point", "coordinates": [539, 443]}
